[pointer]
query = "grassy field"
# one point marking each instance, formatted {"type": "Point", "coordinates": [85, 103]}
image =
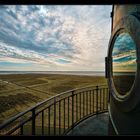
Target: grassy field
{"type": "Point", "coordinates": [20, 91]}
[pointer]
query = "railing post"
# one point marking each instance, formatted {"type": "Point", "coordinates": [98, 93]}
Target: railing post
{"type": "Point", "coordinates": [64, 115]}
{"type": "Point", "coordinates": [72, 109]}
{"type": "Point", "coordinates": [80, 105]}
{"type": "Point", "coordinates": [90, 100]}
{"type": "Point", "coordinates": [49, 120]}
{"type": "Point", "coordinates": [68, 113]}
{"type": "Point", "coordinates": [59, 117]}
{"type": "Point", "coordinates": [76, 107]}
{"type": "Point", "coordinates": [83, 104]}
{"type": "Point", "coordinates": [86, 102]}
{"type": "Point", "coordinates": [100, 99]}
{"type": "Point", "coordinates": [97, 88]}
{"type": "Point", "coordinates": [33, 121]}
{"type": "Point", "coordinates": [103, 99]}
{"type": "Point", "coordinates": [21, 130]}
{"type": "Point", "coordinates": [42, 122]}
{"type": "Point", "coordinates": [108, 96]}
{"type": "Point", "coordinates": [93, 100]}
{"type": "Point", "coordinates": [54, 116]}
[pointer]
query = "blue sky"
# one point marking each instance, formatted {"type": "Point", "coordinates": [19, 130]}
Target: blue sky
{"type": "Point", "coordinates": [39, 37]}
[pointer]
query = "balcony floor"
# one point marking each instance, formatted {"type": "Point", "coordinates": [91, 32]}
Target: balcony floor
{"type": "Point", "coordinates": [94, 126]}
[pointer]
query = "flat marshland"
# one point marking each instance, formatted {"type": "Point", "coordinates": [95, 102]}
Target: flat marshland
{"type": "Point", "coordinates": [21, 91]}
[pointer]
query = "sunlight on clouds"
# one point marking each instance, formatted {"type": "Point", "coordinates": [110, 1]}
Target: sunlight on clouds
{"type": "Point", "coordinates": [55, 37]}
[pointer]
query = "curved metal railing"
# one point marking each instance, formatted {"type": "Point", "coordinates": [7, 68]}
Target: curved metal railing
{"type": "Point", "coordinates": [58, 114]}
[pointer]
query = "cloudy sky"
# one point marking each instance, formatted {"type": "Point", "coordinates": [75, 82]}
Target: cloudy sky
{"type": "Point", "coordinates": [47, 38]}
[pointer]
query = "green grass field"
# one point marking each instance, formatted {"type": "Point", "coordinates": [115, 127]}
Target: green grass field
{"type": "Point", "coordinates": [21, 91]}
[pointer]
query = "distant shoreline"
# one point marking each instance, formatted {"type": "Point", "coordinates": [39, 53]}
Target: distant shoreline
{"type": "Point", "coordinates": [80, 73]}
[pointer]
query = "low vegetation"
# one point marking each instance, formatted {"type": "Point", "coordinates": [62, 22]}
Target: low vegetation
{"type": "Point", "coordinates": [20, 91]}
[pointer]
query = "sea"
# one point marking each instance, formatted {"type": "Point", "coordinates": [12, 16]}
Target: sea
{"type": "Point", "coordinates": [86, 73]}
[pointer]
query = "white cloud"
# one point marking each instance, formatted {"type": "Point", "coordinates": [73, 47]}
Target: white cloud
{"type": "Point", "coordinates": [80, 34]}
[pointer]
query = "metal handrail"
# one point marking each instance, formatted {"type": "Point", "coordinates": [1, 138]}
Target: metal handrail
{"type": "Point", "coordinates": [56, 100]}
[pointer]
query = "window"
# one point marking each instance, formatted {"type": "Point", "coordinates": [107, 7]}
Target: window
{"type": "Point", "coordinates": [123, 63]}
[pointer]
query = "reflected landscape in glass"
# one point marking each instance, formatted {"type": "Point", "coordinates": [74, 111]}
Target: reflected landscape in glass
{"type": "Point", "coordinates": [124, 63]}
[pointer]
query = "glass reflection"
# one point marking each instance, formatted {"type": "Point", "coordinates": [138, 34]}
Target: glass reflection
{"type": "Point", "coordinates": [124, 63]}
